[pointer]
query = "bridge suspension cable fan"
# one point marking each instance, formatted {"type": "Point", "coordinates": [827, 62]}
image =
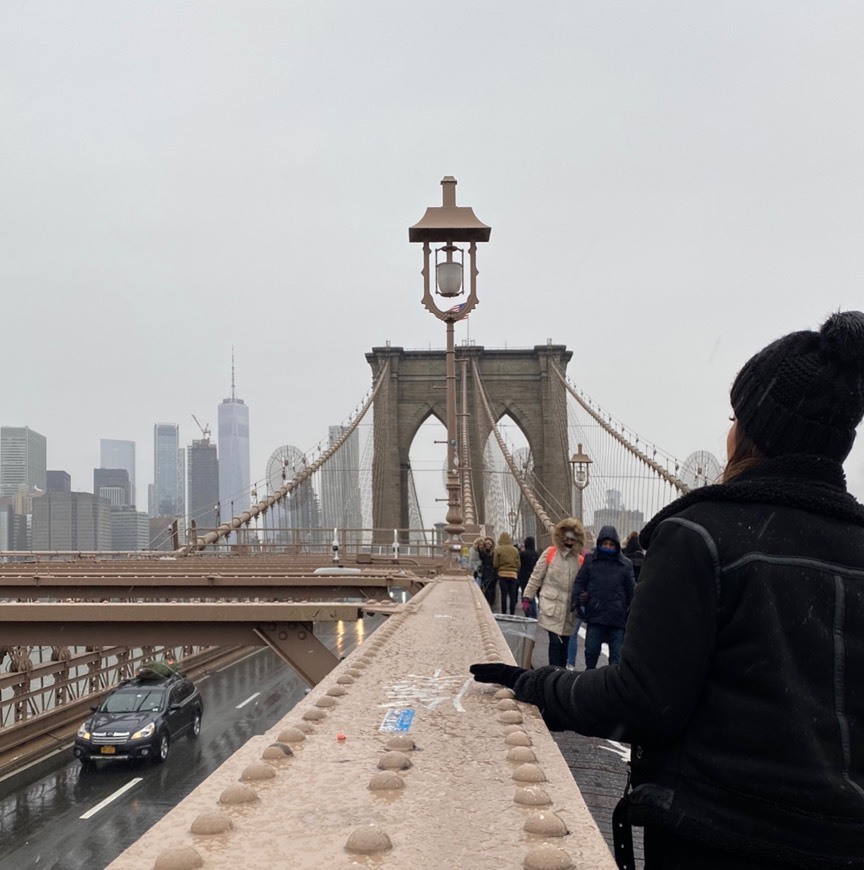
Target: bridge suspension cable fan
{"type": "Point", "coordinates": [529, 494]}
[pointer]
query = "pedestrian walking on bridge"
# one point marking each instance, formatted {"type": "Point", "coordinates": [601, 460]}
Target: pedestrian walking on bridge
{"type": "Point", "coordinates": [505, 561]}
{"type": "Point", "coordinates": [740, 684]}
{"type": "Point", "coordinates": [552, 582]}
{"type": "Point", "coordinates": [601, 597]}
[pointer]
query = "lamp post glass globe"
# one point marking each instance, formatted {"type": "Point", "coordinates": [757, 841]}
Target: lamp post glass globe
{"type": "Point", "coordinates": [448, 273]}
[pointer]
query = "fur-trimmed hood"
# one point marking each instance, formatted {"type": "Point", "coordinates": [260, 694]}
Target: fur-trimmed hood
{"type": "Point", "coordinates": [569, 524]}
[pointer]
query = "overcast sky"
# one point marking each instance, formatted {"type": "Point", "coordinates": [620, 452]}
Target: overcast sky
{"type": "Point", "coordinates": [671, 185]}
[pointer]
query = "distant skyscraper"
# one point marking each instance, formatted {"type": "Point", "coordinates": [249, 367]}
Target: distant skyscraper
{"type": "Point", "coordinates": [340, 483]}
{"type": "Point", "coordinates": [234, 480]}
{"type": "Point", "coordinates": [130, 529]}
{"type": "Point", "coordinates": [113, 484]}
{"type": "Point", "coordinates": [58, 481]}
{"type": "Point", "coordinates": [119, 454]}
{"type": "Point", "coordinates": [203, 483]}
{"type": "Point", "coordinates": [168, 471]}
{"type": "Point", "coordinates": [71, 521]}
{"type": "Point", "coordinates": [22, 459]}
{"type": "Point", "coordinates": [13, 529]}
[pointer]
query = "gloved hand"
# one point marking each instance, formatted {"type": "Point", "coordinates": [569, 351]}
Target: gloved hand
{"type": "Point", "coordinates": [526, 606]}
{"type": "Point", "coordinates": [496, 672]}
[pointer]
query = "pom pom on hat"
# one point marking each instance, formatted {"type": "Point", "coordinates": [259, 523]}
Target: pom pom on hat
{"type": "Point", "coordinates": [804, 393]}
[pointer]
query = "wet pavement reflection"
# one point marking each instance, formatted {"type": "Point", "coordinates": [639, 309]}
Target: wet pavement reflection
{"type": "Point", "coordinates": [41, 807]}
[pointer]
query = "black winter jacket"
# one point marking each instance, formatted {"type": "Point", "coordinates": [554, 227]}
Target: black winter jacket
{"type": "Point", "coordinates": [741, 682]}
{"type": "Point", "coordinates": [608, 580]}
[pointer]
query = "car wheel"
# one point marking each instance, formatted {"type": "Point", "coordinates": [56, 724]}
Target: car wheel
{"type": "Point", "coordinates": [195, 727]}
{"type": "Point", "coordinates": [162, 749]}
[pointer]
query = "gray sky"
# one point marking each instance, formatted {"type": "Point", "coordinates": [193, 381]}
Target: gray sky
{"type": "Point", "coordinates": [671, 185]}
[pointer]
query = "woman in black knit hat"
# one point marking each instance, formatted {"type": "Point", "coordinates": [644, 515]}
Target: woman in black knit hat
{"type": "Point", "coordinates": [741, 681]}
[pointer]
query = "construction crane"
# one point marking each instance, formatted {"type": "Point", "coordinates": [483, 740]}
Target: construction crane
{"type": "Point", "coordinates": [205, 430]}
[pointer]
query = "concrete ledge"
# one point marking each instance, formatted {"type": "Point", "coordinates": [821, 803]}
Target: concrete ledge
{"type": "Point", "coordinates": [482, 783]}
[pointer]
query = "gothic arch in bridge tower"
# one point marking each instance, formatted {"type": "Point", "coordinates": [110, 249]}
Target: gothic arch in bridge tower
{"type": "Point", "coordinates": [517, 382]}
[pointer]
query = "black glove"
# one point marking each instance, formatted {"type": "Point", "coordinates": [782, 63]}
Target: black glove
{"type": "Point", "coordinates": [496, 672]}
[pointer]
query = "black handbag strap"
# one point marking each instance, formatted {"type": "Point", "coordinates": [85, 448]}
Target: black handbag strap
{"type": "Point", "coordinates": [622, 831]}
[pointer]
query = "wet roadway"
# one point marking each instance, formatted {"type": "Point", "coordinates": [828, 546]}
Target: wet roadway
{"type": "Point", "coordinates": [52, 815]}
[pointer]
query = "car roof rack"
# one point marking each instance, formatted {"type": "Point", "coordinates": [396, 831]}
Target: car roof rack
{"type": "Point", "coordinates": [158, 671]}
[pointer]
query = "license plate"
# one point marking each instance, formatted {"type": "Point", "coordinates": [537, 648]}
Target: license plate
{"type": "Point", "coordinates": [108, 750]}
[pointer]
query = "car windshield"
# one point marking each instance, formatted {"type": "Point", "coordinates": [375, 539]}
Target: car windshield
{"type": "Point", "coordinates": [130, 701]}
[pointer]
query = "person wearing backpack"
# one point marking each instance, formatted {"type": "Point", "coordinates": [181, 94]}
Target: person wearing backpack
{"type": "Point", "coordinates": [552, 582]}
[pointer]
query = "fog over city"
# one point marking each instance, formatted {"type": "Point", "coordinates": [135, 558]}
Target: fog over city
{"type": "Point", "coordinates": [670, 186]}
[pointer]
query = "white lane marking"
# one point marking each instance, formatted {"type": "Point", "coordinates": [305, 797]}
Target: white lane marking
{"type": "Point", "coordinates": [111, 797]}
{"type": "Point", "coordinates": [248, 700]}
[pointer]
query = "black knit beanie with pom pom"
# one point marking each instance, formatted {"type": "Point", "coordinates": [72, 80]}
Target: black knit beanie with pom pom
{"type": "Point", "coordinates": [804, 393]}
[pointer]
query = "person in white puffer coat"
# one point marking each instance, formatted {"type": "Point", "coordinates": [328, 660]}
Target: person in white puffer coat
{"type": "Point", "coordinates": [552, 582]}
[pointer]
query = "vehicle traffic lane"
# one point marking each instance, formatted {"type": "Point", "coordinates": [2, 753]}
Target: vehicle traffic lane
{"type": "Point", "coordinates": [41, 809]}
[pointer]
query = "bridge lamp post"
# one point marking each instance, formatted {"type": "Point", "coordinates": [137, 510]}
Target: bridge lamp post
{"type": "Point", "coordinates": [450, 225]}
{"type": "Point", "coordinates": [581, 463]}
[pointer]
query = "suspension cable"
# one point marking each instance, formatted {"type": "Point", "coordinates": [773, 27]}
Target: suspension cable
{"type": "Point", "coordinates": [548, 525]}
{"type": "Point", "coordinates": [303, 475]}
{"type": "Point", "coordinates": [654, 466]}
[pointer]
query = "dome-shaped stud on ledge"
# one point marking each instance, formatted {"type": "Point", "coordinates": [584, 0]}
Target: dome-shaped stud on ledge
{"type": "Point", "coordinates": [291, 735]}
{"type": "Point", "coordinates": [179, 858]}
{"type": "Point", "coordinates": [238, 794]}
{"type": "Point", "coordinates": [548, 857]}
{"type": "Point", "coordinates": [368, 841]}
{"type": "Point", "coordinates": [258, 771]}
{"type": "Point", "coordinates": [545, 824]}
{"type": "Point", "coordinates": [529, 773]}
{"type": "Point", "coordinates": [394, 761]}
{"type": "Point", "coordinates": [518, 738]}
{"type": "Point", "coordinates": [522, 755]}
{"type": "Point", "coordinates": [532, 796]}
{"type": "Point", "coordinates": [210, 823]}
{"type": "Point", "coordinates": [277, 752]}
{"type": "Point", "coordinates": [386, 780]}
{"type": "Point", "coordinates": [314, 715]}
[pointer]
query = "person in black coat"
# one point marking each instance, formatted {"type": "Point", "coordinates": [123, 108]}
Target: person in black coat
{"type": "Point", "coordinates": [488, 577]}
{"type": "Point", "coordinates": [634, 552]}
{"type": "Point", "coordinates": [739, 685]}
{"type": "Point", "coordinates": [527, 560]}
{"type": "Point", "coordinates": [601, 596]}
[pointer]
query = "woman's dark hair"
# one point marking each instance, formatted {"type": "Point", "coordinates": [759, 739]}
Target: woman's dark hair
{"type": "Point", "coordinates": [745, 456]}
